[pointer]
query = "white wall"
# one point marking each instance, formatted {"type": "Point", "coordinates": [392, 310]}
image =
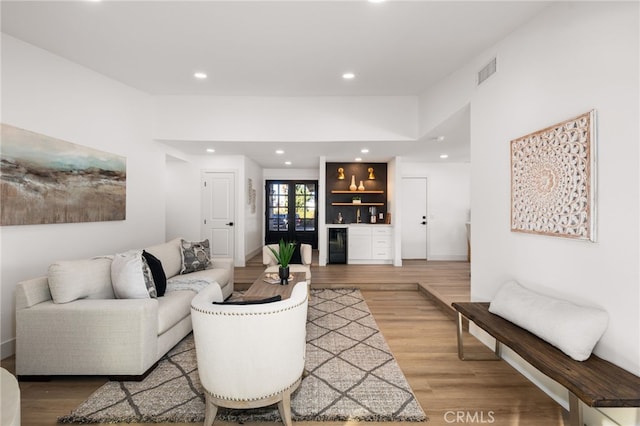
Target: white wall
{"type": "Point", "coordinates": [254, 220]}
{"type": "Point", "coordinates": [49, 95]}
{"type": "Point", "coordinates": [184, 196]}
{"type": "Point", "coordinates": [571, 58]}
{"type": "Point", "coordinates": [448, 205]}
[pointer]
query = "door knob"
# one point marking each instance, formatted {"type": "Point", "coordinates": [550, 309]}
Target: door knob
{"type": "Point", "coordinates": [229, 224]}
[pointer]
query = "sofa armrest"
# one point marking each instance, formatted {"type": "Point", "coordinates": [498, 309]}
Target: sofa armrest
{"type": "Point", "coordinates": [31, 292]}
{"type": "Point", "coordinates": [223, 263]}
{"type": "Point", "coordinates": [95, 337]}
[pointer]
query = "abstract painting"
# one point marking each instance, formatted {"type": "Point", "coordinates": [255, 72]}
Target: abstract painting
{"type": "Point", "coordinates": [553, 180]}
{"type": "Point", "coordinates": [47, 180]}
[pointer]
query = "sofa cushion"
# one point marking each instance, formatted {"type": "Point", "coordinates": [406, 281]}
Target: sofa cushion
{"type": "Point", "coordinates": [172, 308]}
{"type": "Point", "coordinates": [127, 276]}
{"type": "Point", "coordinates": [77, 279]}
{"type": "Point", "coordinates": [159, 277]}
{"type": "Point", "coordinates": [573, 329]}
{"type": "Point", "coordinates": [220, 276]}
{"type": "Point", "coordinates": [169, 255]}
{"type": "Point", "coordinates": [195, 256]}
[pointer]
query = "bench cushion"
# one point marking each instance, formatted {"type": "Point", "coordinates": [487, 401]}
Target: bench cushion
{"type": "Point", "coordinates": [573, 329]}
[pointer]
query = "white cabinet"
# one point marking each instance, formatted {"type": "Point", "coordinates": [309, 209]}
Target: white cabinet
{"type": "Point", "coordinates": [381, 243]}
{"type": "Point", "coordinates": [368, 244]}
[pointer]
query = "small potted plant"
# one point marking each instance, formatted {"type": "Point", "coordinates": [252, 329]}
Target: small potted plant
{"type": "Point", "coordinates": [356, 200]}
{"type": "Point", "coordinates": [283, 256]}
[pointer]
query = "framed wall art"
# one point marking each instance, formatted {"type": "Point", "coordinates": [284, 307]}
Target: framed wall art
{"type": "Point", "coordinates": [46, 180]}
{"type": "Point", "coordinates": [553, 180]}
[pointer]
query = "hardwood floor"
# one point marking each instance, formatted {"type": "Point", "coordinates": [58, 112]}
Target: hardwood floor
{"type": "Point", "coordinates": [420, 333]}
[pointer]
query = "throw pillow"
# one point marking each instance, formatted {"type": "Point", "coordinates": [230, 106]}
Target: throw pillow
{"type": "Point", "coordinates": [195, 256]}
{"type": "Point", "coordinates": [127, 276]}
{"type": "Point", "coordinates": [77, 279]}
{"type": "Point", "coordinates": [250, 302]}
{"type": "Point", "coordinates": [148, 278]}
{"type": "Point", "coordinates": [159, 277]}
{"type": "Point", "coordinates": [573, 329]}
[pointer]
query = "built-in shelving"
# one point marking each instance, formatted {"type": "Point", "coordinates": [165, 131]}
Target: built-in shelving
{"type": "Point", "coordinates": [372, 195]}
{"type": "Point", "coordinates": [357, 204]}
{"type": "Point", "coordinates": [356, 192]}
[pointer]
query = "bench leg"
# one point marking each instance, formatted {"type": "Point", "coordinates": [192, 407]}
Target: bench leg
{"type": "Point", "coordinates": [475, 357]}
{"type": "Point", "coordinates": [575, 411]}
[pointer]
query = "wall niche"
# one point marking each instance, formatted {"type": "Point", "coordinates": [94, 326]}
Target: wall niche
{"type": "Point", "coordinates": [340, 198]}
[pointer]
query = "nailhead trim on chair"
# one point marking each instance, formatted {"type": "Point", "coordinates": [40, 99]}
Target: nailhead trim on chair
{"type": "Point", "coordinates": [254, 399]}
{"type": "Point", "coordinates": [204, 311]}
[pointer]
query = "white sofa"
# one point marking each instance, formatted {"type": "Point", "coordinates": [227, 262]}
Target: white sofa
{"type": "Point", "coordinates": [71, 323]}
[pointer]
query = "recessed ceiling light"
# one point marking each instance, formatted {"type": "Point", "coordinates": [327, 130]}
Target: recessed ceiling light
{"type": "Point", "coordinates": [211, 150]}
{"type": "Point", "coordinates": [279, 151]}
{"type": "Point", "coordinates": [200, 75]}
{"type": "Point", "coordinates": [358, 159]}
{"type": "Point", "coordinates": [443, 156]}
{"type": "Point", "coordinates": [348, 75]}
{"type": "Point", "coordinates": [287, 163]}
{"type": "Point", "coordinates": [377, 1]}
{"type": "Point", "coordinates": [364, 150]}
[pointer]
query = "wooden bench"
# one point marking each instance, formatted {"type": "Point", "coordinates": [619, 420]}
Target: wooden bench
{"type": "Point", "coordinates": [596, 382]}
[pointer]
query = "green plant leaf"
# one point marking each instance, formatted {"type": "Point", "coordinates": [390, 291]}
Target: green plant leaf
{"type": "Point", "coordinates": [284, 253]}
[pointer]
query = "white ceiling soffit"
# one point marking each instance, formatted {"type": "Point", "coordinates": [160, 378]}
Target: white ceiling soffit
{"type": "Point", "coordinates": [278, 48]}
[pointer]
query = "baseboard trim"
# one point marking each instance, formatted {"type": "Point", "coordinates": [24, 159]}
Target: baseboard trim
{"type": "Point", "coordinates": [252, 254]}
{"type": "Point", "coordinates": [448, 257]}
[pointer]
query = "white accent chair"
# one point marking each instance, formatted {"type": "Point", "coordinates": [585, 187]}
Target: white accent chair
{"type": "Point", "coordinates": [249, 356]}
{"type": "Point", "coordinates": [10, 407]}
{"type": "Point", "coordinates": [306, 254]}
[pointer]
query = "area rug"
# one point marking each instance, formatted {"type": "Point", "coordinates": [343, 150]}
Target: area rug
{"type": "Point", "coordinates": [352, 375]}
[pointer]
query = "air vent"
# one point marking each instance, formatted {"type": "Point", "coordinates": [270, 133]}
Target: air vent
{"type": "Point", "coordinates": [487, 71]}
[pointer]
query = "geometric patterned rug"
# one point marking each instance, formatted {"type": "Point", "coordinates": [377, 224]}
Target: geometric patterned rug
{"type": "Point", "coordinates": [352, 376]}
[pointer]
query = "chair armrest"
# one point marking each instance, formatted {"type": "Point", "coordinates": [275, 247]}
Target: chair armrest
{"type": "Point", "coordinates": [267, 256]}
{"type": "Point", "coordinates": [306, 253]}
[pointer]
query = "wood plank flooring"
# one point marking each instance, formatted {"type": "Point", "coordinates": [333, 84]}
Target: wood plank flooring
{"type": "Point", "coordinates": [420, 333]}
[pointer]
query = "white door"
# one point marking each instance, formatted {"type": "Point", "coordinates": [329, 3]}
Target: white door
{"type": "Point", "coordinates": [218, 201]}
{"type": "Point", "coordinates": [414, 218]}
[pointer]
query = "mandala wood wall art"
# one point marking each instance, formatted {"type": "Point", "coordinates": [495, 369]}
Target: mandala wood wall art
{"type": "Point", "coordinates": [553, 180]}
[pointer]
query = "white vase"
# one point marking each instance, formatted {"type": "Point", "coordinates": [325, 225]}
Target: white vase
{"type": "Point", "coordinates": [353, 186]}
{"type": "Point", "coordinates": [361, 186]}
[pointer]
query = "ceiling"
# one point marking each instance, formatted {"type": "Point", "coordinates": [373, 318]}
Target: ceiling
{"type": "Point", "coordinates": [277, 48]}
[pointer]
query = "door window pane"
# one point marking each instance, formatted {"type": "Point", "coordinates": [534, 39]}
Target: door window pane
{"type": "Point", "coordinates": [305, 207]}
{"type": "Point", "coordinates": [278, 207]}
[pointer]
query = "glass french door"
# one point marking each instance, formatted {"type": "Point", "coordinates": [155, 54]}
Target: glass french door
{"type": "Point", "coordinates": [292, 211]}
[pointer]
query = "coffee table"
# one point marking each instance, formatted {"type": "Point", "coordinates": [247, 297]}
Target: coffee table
{"type": "Point", "coordinates": [260, 289]}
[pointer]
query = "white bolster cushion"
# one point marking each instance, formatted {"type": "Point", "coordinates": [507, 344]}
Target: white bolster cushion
{"type": "Point", "coordinates": [573, 329]}
{"type": "Point", "coordinates": [76, 279]}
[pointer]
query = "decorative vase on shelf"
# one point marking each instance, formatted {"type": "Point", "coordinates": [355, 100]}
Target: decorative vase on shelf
{"type": "Point", "coordinates": [283, 273]}
{"type": "Point", "coordinates": [361, 186]}
{"type": "Point", "coordinates": [353, 186]}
